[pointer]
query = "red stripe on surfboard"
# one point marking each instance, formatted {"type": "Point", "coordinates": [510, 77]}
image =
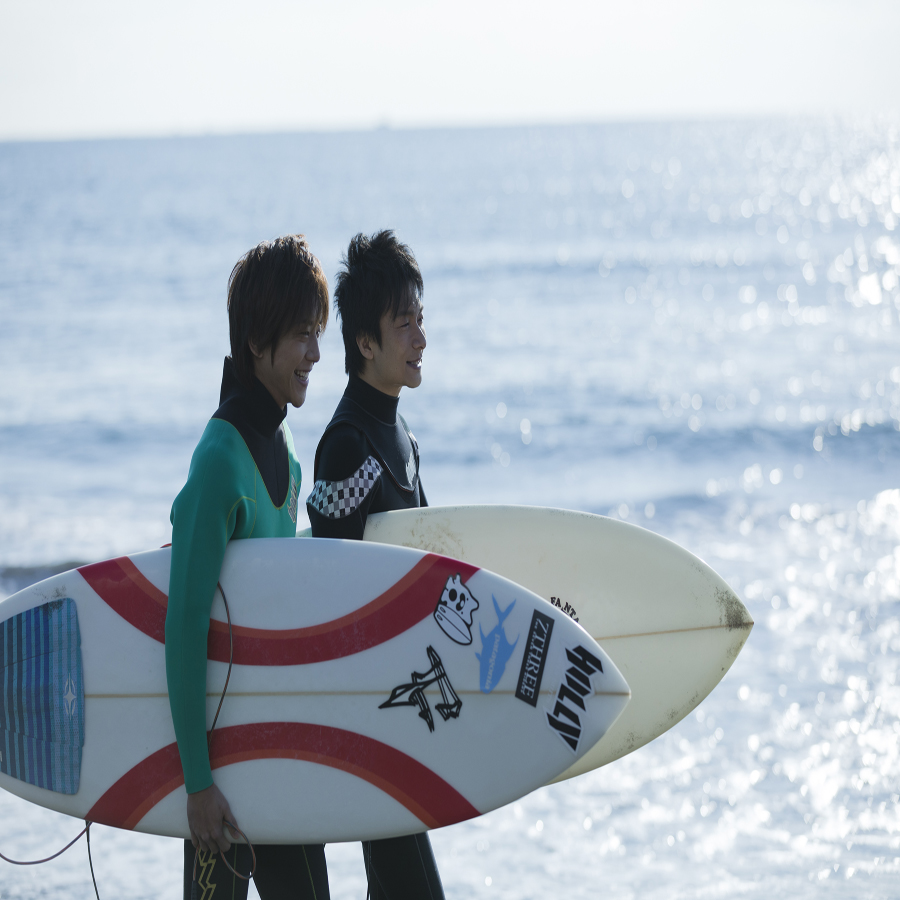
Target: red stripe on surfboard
{"type": "Point", "coordinates": [426, 795]}
{"type": "Point", "coordinates": [119, 583]}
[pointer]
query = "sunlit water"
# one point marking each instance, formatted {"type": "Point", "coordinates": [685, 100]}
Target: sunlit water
{"type": "Point", "coordinates": [691, 327]}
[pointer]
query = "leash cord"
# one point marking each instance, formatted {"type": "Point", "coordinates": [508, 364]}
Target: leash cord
{"type": "Point", "coordinates": [228, 674]}
{"type": "Point", "coordinates": [232, 827]}
{"type": "Point", "coordinates": [37, 862]}
{"type": "Point", "coordinates": [86, 831]}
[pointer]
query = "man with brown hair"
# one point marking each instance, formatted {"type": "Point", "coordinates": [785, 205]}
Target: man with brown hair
{"type": "Point", "coordinates": [244, 482]}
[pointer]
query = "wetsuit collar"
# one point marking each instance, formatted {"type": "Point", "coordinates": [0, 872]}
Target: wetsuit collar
{"type": "Point", "coordinates": [372, 401]}
{"type": "Point", "coordinates": [258, 406]}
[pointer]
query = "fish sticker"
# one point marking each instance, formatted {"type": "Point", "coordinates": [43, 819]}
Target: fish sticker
{"type": "Point", "coordinates": [495, 649]}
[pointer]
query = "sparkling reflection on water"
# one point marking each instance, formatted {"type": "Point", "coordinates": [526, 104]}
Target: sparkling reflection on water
{"type": "Point", "coordinates": [694, 328]}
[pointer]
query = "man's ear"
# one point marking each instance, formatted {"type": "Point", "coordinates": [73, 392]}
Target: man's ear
{"type": "Point", "coordinates": [364, 342]}
{"type": "Point", "coordinates": [253, 349]}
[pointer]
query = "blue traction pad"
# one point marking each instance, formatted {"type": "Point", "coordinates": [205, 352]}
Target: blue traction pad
{"type": "Point", "coordinates": [42, 697]}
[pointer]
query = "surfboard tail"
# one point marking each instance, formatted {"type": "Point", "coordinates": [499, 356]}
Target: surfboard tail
{"type": "Point", "coordinates": [42, 697]}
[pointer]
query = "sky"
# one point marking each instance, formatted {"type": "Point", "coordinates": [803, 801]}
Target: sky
{"type": "Point", "coordinates": [116, 68]}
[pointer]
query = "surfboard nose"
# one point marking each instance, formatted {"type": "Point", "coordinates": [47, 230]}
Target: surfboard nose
{"type": "Point", "coordinates": [572, 711]}
{"type": "Point", "coordinates": [732, 612]}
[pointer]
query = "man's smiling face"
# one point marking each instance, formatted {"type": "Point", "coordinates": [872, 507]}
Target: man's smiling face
{"type": "Point", "coordinates": [397, 362]}
{"type": "Point", "coordinates": [286, 374]}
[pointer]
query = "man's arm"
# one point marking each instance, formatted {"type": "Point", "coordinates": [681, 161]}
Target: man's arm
{"type": "Point", "coordinates": [348, 479]}
{"type": "Point", "coordinates": [203, 520]}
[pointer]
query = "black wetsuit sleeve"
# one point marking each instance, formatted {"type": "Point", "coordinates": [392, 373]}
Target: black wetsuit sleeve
{"type": "Point", "coordinates": [348, 479]}
{"type": "Point", "coordinates": [422, 500]}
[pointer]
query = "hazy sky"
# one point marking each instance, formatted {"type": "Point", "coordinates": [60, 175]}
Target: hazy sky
{"type": "Point", "coordinates": [115, 67]}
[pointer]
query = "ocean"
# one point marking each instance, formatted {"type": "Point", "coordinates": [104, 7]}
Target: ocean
{"type": "Point", "coordinates": [694, 327]}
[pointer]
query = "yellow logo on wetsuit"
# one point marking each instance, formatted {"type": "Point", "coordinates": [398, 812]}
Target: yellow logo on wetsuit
{"type": "Point", "coordinates": [206, 862]}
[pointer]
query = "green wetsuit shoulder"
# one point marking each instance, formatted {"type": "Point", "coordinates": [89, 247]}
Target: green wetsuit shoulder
{"type": "Point", "coordinates": [224, 499]}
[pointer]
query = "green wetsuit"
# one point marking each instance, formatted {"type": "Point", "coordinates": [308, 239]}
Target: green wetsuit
{"type": "Point", "coordinates": [243, 482]}
{"type": "Point", "coordinates": [225, 498]}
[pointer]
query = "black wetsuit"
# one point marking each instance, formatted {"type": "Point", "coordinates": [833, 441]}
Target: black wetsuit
{"type": "Point", "coordinates": [367, 462]}
{"type": "Point", "coordinates": [283, 872]}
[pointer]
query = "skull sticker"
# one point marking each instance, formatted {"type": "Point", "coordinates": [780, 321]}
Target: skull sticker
{"type": "Point", "coordinates": [454, 611]}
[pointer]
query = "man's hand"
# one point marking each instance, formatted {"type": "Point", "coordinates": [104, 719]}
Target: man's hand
{"type": "Point", "coordinates": [206, 812]}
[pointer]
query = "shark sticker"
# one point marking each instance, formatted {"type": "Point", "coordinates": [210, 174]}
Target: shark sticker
{"type": "Point", "coordinates": [413, 693]}
{"type": "Point", "coordinates": [454, 611]}
{"type": "Point", "coordinates": [495, 649]}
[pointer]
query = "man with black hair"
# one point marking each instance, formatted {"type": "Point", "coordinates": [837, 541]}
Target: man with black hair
{"type": "Point", "coordinates": [244, 482]}
{"type": "Point", "coordinates": [367, 461]}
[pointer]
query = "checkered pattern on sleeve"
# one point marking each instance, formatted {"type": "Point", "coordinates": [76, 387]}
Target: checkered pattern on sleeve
{"type": "Point", "coordinates": [336, 499]}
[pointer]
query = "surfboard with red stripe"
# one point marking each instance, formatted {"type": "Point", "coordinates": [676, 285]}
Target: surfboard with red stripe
{"type": "Point", "coordinates": [376, 691]}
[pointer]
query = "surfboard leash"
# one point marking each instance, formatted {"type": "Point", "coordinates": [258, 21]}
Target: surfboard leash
{"type": "Point", "coordinates": [37, 862]}
{"type": "Point", "coordinates": [228, 674]}
{"type": "Point", "coordinates": [231, 826]}
{"type": "Point", "coordinates": [86, 831]}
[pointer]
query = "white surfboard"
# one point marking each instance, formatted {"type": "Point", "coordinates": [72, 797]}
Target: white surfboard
{"type": "Point", "coordinates": [376, 691]}
{"type": "Point", "coordinates": [671, 625]}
